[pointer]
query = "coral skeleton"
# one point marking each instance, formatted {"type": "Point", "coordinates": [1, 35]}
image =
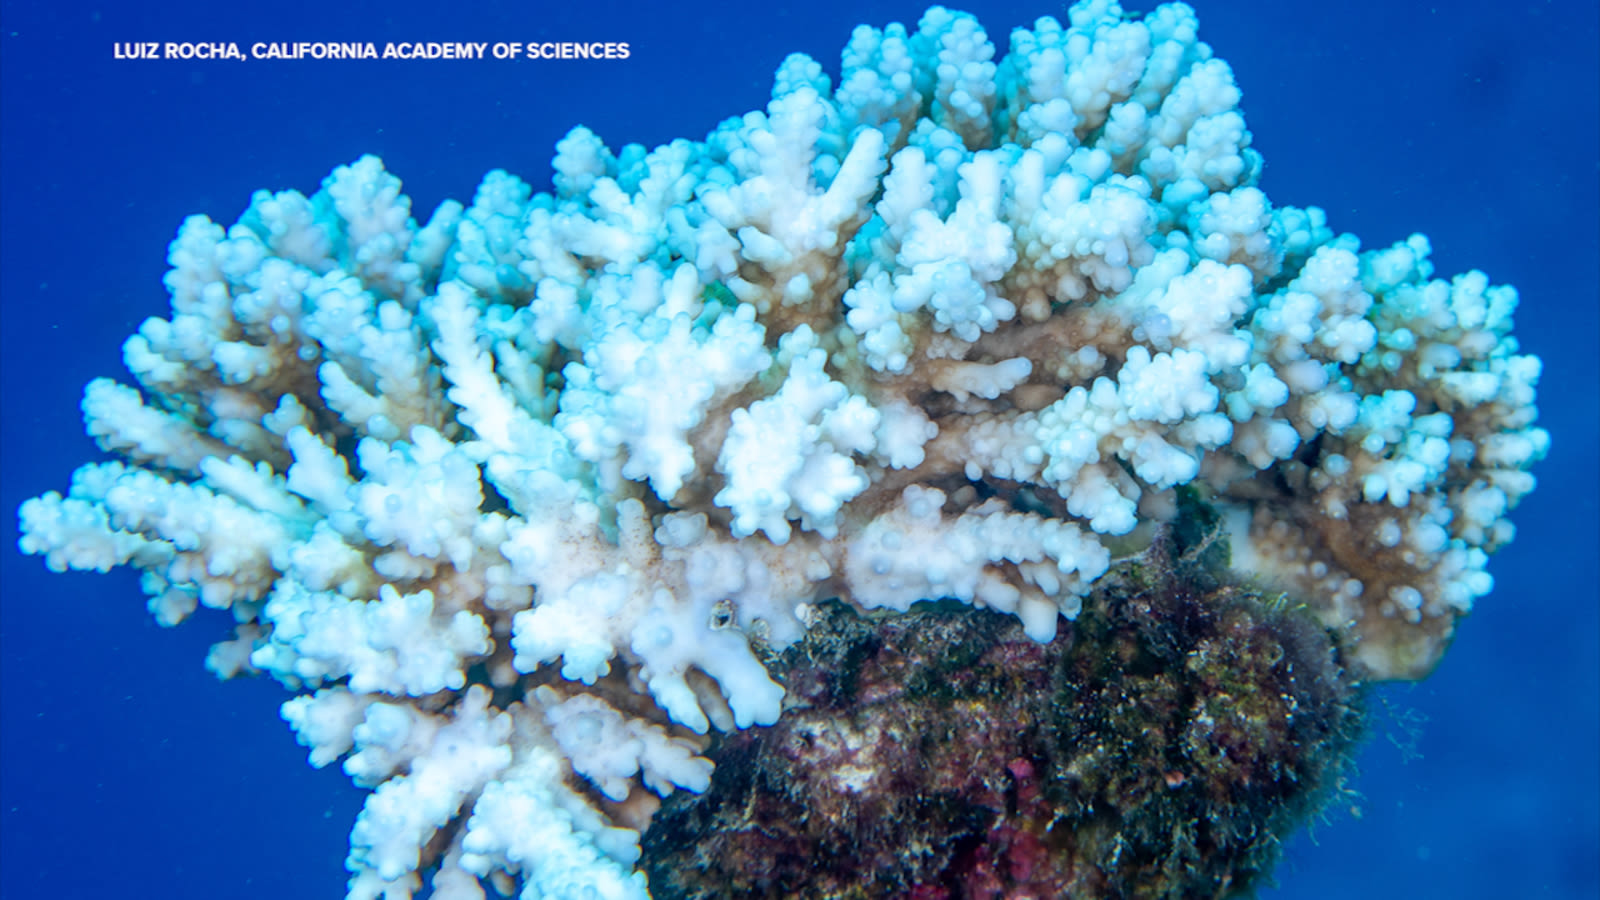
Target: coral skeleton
{"type": "Point", "coordinates": [519, 500]}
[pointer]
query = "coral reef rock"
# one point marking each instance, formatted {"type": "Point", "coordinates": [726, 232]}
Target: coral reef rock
{"type": "Point", "coordinates": [1161, 749]}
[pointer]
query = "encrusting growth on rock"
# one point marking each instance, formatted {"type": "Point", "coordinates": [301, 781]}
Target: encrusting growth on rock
{"type": "Point", "coordinates": [1163, 748]}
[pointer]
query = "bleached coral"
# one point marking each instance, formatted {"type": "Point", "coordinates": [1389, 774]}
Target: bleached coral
{"type": "Point", "coordinates": [520, 494]}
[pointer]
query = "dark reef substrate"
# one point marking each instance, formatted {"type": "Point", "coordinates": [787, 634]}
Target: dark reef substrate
{"type": "Point", "coordinates": [1162, 746]}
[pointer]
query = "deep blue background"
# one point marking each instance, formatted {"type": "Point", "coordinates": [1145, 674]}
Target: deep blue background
{"type": "Point", "coordinates": [126, 767]}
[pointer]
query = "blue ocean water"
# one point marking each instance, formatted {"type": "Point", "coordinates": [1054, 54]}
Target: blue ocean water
{"type": "Point", "coordinates": [125, 767]}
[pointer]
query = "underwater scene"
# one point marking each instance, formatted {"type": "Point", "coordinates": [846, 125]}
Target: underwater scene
{"type": "Point", "coordinates": [617, 451]}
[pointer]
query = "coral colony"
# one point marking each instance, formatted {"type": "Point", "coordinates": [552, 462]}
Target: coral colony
{"type": "Point", "coordinates": [546, 507]}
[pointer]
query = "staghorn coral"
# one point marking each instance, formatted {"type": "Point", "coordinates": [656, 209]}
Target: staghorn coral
{"type": "Point", "coordinates": [522, 501]}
